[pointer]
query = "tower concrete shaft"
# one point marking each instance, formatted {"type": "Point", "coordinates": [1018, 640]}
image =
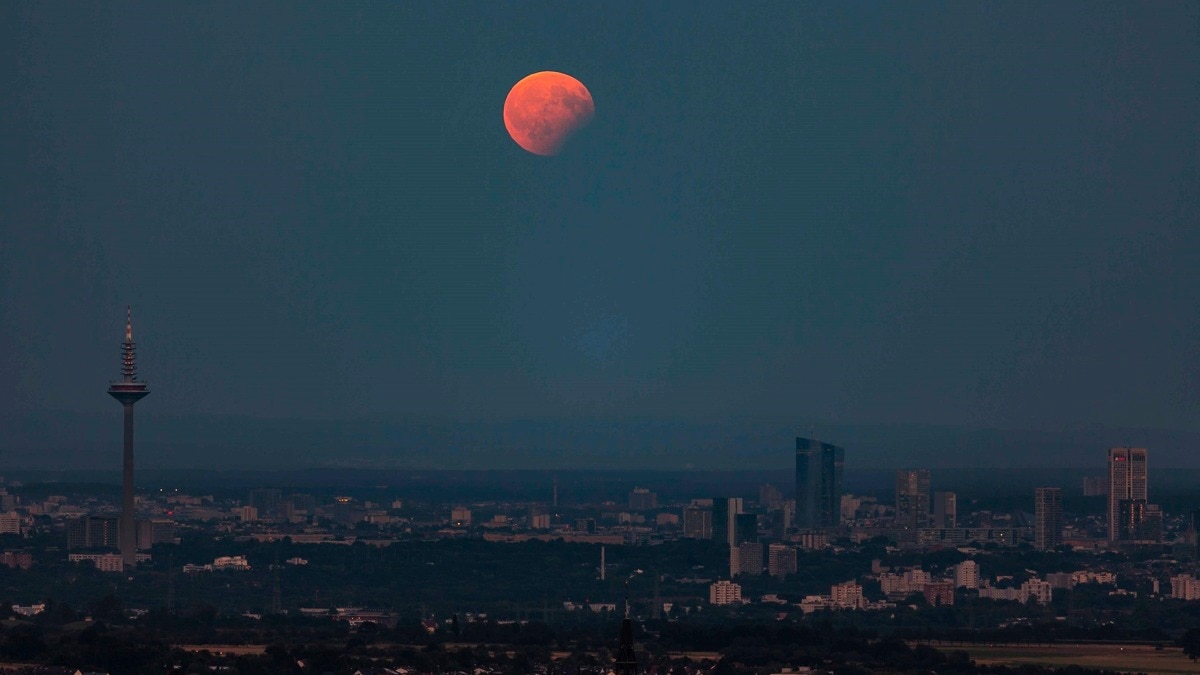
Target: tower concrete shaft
{"type": "Point", "coordinates": [128, 391]}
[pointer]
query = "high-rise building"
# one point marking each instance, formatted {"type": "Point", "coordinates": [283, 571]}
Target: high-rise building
{"type": "Point", "coordinates": [725, 593]}
{"type": "Point", "coordinates": [642, 499]}
{"type": "Point", "coordinates": [1126, 483]}
{"type": "Point", "coordinates": [818, 484]}
{"type": "Point", "coordinates": [945, 509]}
{"type": "Point", "coordinates": [912, 498]}
{"type": "Point", "coordinates": [966, 573]}
{"type": "Point", "coordinates": [1094, 486]}
{"type": "Point", "coordinates": [769, 496]}
{"type": "Point", "coordinates": [306, 504]}
{"type": "Point", "coordinates": [781, 560]}
{"type": "Point", "coordinates": [745, 528]}
{"type": "Point", "coordinates": [746, 558]}
{"type": "Point", "coordinates": [93, 532]}
{"type": "Point", "coordinates": [267, 501]}
{"type": "Point", "coordinates": [1152, 525]}
{"type": "Point", "coordinates": [343, 511]}
{"type": "Point", "coordinates": [697, 523]}
{"type": "Point", "coordinates": [1130, 514]}
{"type": "Point", "coordinates": [156, 531]}
{"type": "Point", "coordinates": [128, 391]}
{"type": "Point", "coordinates": [783, 518]}
{"type": "Point", "coordinates": [1048, 518]}
{"type": "Point", "coordinates": [724, 519]}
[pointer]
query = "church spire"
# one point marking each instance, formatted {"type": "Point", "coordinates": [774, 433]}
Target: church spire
{"type": "Point", "coordinates": [626, 658]}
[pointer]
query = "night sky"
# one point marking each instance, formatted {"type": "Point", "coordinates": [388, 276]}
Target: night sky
{"type": "Point", "coordinates": [981, 215]}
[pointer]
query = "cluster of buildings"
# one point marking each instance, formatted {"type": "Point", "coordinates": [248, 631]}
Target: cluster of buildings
{"type": "Point", "coordinates": [917, 518]}
{"type": "Point", "coordinates": [899, 585]}
{"type": "Point", "coordinates": [237, 563]}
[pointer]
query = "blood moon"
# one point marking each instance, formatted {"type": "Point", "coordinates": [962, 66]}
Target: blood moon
{"type": "Point", "coordinates": [544, 109]}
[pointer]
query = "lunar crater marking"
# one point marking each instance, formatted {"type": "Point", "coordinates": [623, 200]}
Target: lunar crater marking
{"type": "Point", "coordinates": [544, 109]}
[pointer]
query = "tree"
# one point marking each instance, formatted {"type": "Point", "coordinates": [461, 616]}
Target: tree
{"type": "Point", "coordinates": [1191, 643]}
{"type": "Point", "coordinates": [108, 609]}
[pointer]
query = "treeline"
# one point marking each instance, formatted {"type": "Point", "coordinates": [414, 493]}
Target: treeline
{"type": "Point", "coordinates": [298, 645]}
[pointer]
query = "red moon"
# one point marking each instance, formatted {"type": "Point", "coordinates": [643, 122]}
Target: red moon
{"type": "Point", "coordinates": [543, 110]}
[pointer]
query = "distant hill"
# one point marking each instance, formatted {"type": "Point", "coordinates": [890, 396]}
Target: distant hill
{"type": "Point", "coordinates": [77, 441]}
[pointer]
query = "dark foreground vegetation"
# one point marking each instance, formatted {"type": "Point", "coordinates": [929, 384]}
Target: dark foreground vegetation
{"type": "Point", "coordinates": [202, 641]}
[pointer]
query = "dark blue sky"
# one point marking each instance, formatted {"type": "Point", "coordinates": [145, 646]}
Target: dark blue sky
{"type": "Point", "coordinates": [957, 213]}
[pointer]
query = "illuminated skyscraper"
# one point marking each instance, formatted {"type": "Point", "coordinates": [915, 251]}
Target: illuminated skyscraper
{"type": "Point", "coordinates": [128, 391]}
{"type": "Point", "coordinates": [1127, 492]}
{"type": "Point", "coordinates": [818, 484]}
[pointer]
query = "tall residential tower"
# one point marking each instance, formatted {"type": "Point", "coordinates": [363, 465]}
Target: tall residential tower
{"type": "Point", "coordinates": [128, 391]}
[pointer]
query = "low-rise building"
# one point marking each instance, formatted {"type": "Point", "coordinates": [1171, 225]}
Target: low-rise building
{"type": "Point", "coordinates": [847, 595]}
{"type": "Point", "coordinates": [1035, 589]}
{"type": "Point", "coordinates": [900, 586]}
{"type": "Point", "coordinates": [813, 603]}
{"type": "Point", "coordinates": [10, 523]}
{"type": "Point", "coordinates": [939, 593]}
{"type": "Point", "coordinates": [1090, 577]}
{"type": "Point", "coordinates": [460, 516]}
{"type": "Point", "coordinates": [104, 562]}
{"type": "Point", "coordinates": [1185, 587]}
{"type": "Point", "coordinates": [231, 562]}
{"type": "Point", "coordinates": [17, 559]}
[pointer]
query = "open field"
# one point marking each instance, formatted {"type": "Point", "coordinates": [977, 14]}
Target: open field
{"type": "Point", "coordinates": [1123, 658]}
{"type": "Point", "coordinates": [227, 650]}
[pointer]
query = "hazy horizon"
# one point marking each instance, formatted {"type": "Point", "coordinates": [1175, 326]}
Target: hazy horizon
{"type": "Point", "coordinates": [61, 440]}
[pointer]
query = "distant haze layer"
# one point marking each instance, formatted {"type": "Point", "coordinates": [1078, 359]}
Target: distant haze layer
{"type": "Point", "coordinates": [62, 441]}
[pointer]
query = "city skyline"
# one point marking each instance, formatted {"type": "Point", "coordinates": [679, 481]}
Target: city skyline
{"type": "Point", "coordinates": [595, 338]}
